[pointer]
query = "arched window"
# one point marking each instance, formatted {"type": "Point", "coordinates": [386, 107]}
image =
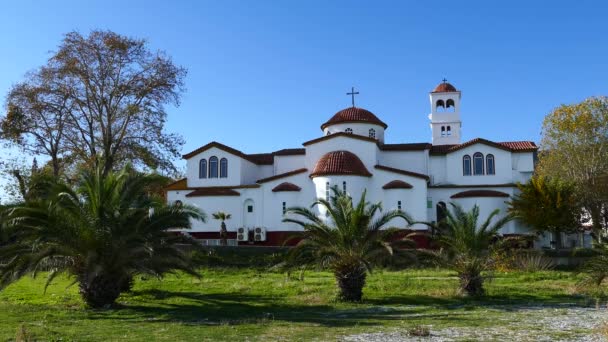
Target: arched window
{"type": "Point", "coordinates": [450, 104]}
{"type": "Point", "coordinates": [443, 131]}
{"type": "Point", "coordinates": [284, 208]}
{"type": "Point", "coordinates": [398, 205]}
{"type": "Point", "coordinates": [466, 165]}
{"type": "Point", "coordinates": [478, 164]}
{"type": "Point", "coordinates": [490, 169]}
{"type": "Point", "coordinates": [202, 168]}
{"type": "Point", "coordinates": [349, 131]}
{"type": "Point", "coordinates": [344, 186]}
{"type": "Point", "coordinates": [449, 131]}
{"type": "Point", "coordinates": [441, 209]}
{"type": "Point", "coordinates": [213, 167]}
{"type": "Point", "coordinates": [327, 191]}
{"type": "Point", "coordinates": [223, 168]}
{"type": "Point", "coordinates": [439, 104]}
{"type": "Point", "coordinates": [372, 133]}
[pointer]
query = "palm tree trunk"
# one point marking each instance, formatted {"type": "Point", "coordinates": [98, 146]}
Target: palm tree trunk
{"type": "Point", "coordinates": [471, 284]}
{"type": "Point", "coordinates": [351, 283]}
{"type": "Point", "coordinates": [100, 291]}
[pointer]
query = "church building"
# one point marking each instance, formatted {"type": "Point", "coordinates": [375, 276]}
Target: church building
{"type": "Point", "coordinates": [351, 153]}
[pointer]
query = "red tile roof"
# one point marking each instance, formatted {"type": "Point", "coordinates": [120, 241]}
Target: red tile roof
{"type": "Point", "coordinates": [213, 191]}
{"type": "Point", "coordinates": [281, 175]}
{"type": "Point", "coordinates": [259, 158]}
{"type": "Point", "coordinates": [290, 152]}
{"type": "Point", "coordinates": [354, 114]}
{"type": "Point", "coordinates": [405, 147]}
{"type": "Point", "coordinates": [340, 134]}
{"type": "Point", "coordinates": [452, 186]}
{"type": "Point", "coordinates": [444, 87]}
{"type": "Point", "coordinates": [340, 163]}
{"type": "Point", "coordinates": [401, 172]}
{"type": "Point", "coordinates": [286, 186]}
{"type": "Point", "coordinates": [397, 184]}
{"type": "Point", "coordinates": [479, 193]}
{"type": "Point", "coordinates": [512, 146]}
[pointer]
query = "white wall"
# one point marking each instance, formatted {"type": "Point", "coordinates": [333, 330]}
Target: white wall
{"type": "Point", "coordinates": [415, 161]}
{"type": "Point", "coordinates": [234, 169]}
{"type": "Point", "coordinates": [284, 164]}
{"type": "Point", "coordinates": [365, 150]}
{"type": "Point", "coordinates": [359, 128]}
{"type": "Point", "coordinates": [502, 162]}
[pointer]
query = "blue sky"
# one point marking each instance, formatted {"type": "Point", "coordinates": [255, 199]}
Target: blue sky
{"type": "Point", "coordinates": [264, 75]}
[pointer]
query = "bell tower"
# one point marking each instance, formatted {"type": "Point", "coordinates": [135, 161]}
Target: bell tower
{"type": "Point", "coordinates": [445, 114]}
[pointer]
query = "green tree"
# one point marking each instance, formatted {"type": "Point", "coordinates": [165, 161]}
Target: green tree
{"type": "Point", "coordinates": [222, 216]}
{"type": "Point", "coordinates": [465, 245]}
{"type": "Point", "coordinates": [99, 101]}
{"type": "Point", "coordinates": [575, 149]}
{"type": "Point", "coordinates": [547, 205]}
{"type": "Point", "coordinates": [102, 233]}
{"type": "Point", "coordinates": [349, 241]}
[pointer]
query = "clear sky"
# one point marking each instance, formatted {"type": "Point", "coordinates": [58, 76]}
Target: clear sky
{"type": "Point", "coordinates": [264, 75]}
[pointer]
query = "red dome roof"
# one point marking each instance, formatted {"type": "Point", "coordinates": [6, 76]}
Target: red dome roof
{"type": "Point", "coordinates": [444, 87]}
{"type": "Point", "coordinates": [286, 186]}
{"type": "Point", "coordinates": [340, 163]}
{"type": "Point", "coordinates": [397, 184]}
{"type": "Point", "coordinates": [354, 114]}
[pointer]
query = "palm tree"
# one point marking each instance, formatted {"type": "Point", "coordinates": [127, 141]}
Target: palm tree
{"type": "Point", "coordinates": [465, 245]}
{"type": "Point", "coordinates": [349, 241]}
{"type": "Point", "coordinates": [102, 233]}
{"type": "Point", "coordinates": [596, 269]}
{"type": "Point", "coordinates": [220, 215]}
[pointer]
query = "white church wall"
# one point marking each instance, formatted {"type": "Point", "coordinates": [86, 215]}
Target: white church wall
{"type": "Point", "coordinates": [413, 201]}
{"type": "Point", "coordinates": [437, 169]}
{"type": "Point", "coordinates": [234, 169]}
{"type": "Point", "coordinates": [358, 129]}
{"type": "Point", "coordinates": [284, 164]}
{"type": "Point", "coordinates": [251, 172]}
{"type": "Point", "coordinates": [502, 162]}
{"type": "Point", "coordinates": [365, 150]}
{"type": "Point", "coordinates": [486, 205]}
{"type": "Point", "coordinates": [273, 201]}
{"type": "Point", "coordinates": [415, 161]}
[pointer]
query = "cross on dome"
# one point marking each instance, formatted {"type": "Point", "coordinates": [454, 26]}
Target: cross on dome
{"type": "Point", "coordinates": [353, 93]}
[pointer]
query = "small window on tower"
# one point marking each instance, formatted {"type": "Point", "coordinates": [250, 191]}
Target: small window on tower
{"type": "Point", "coordinates": [344, 186]}
{"type": "Point", "coordinates": [249, 208]}
{"type": "Point", "coordinates": [284, 208]}
{"type": "Point", "coordinates": [349, 130]}
{"type": "Point", "coordinates": [327, 191]}
{"type": "Point", "coordinates": [443, 131]}
{"type": "Point", "coordinates": [372, 133]}
{"type": "Point", "coordinates": [399, 205]}
{"type": "Point", "coordinates": [449, 131]}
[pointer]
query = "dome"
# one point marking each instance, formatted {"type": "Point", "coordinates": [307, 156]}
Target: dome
{"type": "Point", "coordinates": [445, 87]}
{"type": "Point", "coordinates": [397, 184]}
{"type": "Point", "coordinates": [340, 163]}
{"type": "Point", "coordinates": [354, 114]}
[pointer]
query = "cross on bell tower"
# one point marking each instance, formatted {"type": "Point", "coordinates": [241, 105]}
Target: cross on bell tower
{"type": "Point", "coordinates": [352, 94]}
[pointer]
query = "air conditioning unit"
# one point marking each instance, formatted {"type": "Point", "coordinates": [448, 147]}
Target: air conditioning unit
{"type": "Point", "coordinates": [242, 234]}
{"type": "Point", "coordinates": [259, 234]}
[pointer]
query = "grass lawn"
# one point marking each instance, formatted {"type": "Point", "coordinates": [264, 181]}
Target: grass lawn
{"type": "Point", "coordinates": [245, 304]}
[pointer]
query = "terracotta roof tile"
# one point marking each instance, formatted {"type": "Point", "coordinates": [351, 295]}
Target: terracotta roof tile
{"type": "Point", "coordinates": [479, 193]}
{"type": "Point", "coordinates": [281, 175]}
{"type": "Point", "coordinates": [444, 87]}
{"type": "Point", "coordinates": [340, 163]}
{"type": "Point", "coordinates": [405, 147]}
{"type": "Point", "coordinates": [286, 186]}
{"type": "Point", "coordinates": [213, 191]}
{"type": "Point", "coordinates": [340, 134]}
{"type": "Point", "coordinates": [512, 146]}
{"type": "Point", "coordinates": [397, 184]}
{"type": "Point", "coordinates": [401, 172]}
{"type": "Point", "coordinates": [452, 186]}
{"type": "Point", "coordinates": [258, 158]}
{"type": "Point", "coordinates": [354, 114]}
{"type": "Point", "coordinates": [290, 152]}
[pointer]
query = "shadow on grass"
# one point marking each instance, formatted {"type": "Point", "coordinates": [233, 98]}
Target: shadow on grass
{"type": "Point", "coordinates": [236, 309]}
{"type": "Point", "coordinates": [196, 308]}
